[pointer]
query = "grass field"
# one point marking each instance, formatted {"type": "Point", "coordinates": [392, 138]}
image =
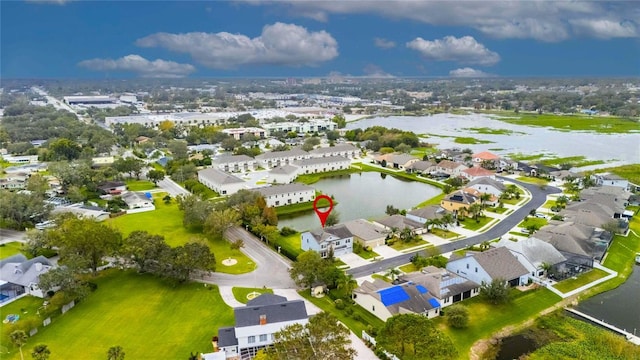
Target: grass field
{"type": "Point", "coordinates": [290, 243]}
{"type": "Point", "coordinates": [400, 245]}
{"type": "Point", "coordinates": [574, 161]}
{"type": "Point", "coordinates": [485, 319]}
{"type": "Point", "coordinates": [471, 224]}
{"type": "Point", "coordinates": [470, 141]}
{"type": "Point", "coordinates": [436, 200]}
{"type": "Point", "coordinates": [139, 185]}
{"type": "Point", "coordinates": [367, 254]}
{"type": "Point", "coordinates": [533, 180]}
{"type": "Point", "coordinates": [599, 124]}
{"type": "Point", "coordinates": [490, 131]}
{"type": "Point", "coordinates": [166, 220]}
{"type": "Point", "coordinates": [530, 221]}
{"type": "Point", "coordinates": [141, 313]}
{"type": "Point", "coordinates": [10, 249]}
{"type": "Point", "coordinates": [497, 210]}
{"type": "Point", "coordinates": [401, 174]}
{"type": "Point", "coordinates": [309, 179]}
{"type": "Point", "coordinates": [629, 172]}
{"type": "Point", "coordinates": [241, 293]}
{"type": "Point", "coordinates": [586, 278]}
{"type": "Point", "coordinates": [444, 234]}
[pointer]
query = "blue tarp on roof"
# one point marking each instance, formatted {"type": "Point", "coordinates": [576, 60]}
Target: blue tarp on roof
{"type": "Point", "coordinates": [434, 303]}
{"type": "Point", "coordinates": [393, 295]}
{"type": "Point", "coordinates": [422, 289]}
{"type": "Point", "coordinates": [148, 195]}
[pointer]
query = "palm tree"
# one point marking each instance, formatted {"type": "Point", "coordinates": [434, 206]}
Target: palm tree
{"type": "Point", "coordinates": [393, 273]}
{"type": "Point", "coordinates": [546, 267]}
{"type": "Point", "coordinates": [484, 197]}
{"type": "Point", "coordinates": [19, 338]}
{"type": "Point", "coordinates": [476, 211]}
{"type": "Point", "coordinates": [447, 219]}
{"type": "Point", "coordinates": [348, 283]}
{"type": "Point", "coordinates": [115, 353]}
{"type": "Point", "coordinates": [41, 352]}
{"type": "Point", "coordinates": [406, 234]}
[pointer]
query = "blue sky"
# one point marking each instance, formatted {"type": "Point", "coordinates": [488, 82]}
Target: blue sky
{"type": "Point", "coordinates": [123, 39]}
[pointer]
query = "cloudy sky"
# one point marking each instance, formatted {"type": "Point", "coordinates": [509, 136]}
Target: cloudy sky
{"type": "Point", "coordinates": [248, 38]}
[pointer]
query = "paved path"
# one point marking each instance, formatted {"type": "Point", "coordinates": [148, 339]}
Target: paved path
{"type": "Point", "coordinates": [538, 197]}
{"type": "Point", "coordinates": [173, 188]}
{"type": "Point", "coordinates": [7, 236]}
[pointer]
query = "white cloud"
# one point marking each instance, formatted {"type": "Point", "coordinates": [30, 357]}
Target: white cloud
{"type": "Point", "coordinates": [141, 66]}
{"type": "Point", "coordinates": [279, 44]}
{"type": "Point", "coordinates": [375, 71]}
{"type": "Point", "coordinates": [464, 50]}
{"type": "Point", "coordinates": [467, 72]}
{"type": "Point", "coordinates": [542, 20]}
{"type": "Point", "coordinates": [605, 29]}
{"type": "Point", "coordinates": [384, 43]}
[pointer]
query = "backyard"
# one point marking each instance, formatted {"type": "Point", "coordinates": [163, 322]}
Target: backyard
{"type": "Point", "coordinates": [9, 249]}
{"type": "Point", "coordinates": [141, 313]}
{"type": "Point", "coordinates": [471, 224]}
{"type": "Point", "coordinates": [583, 279]}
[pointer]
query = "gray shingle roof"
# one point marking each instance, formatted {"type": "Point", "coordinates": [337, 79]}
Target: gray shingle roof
{"type": "Point", "coordinates": [440, 283]}
{"type": "Point", "coordinates": [535, 250]}
{"type": "Point", "coordinates": [282, 154]}
{"type": "Point", "coordinates": [283, 189]}
{"type": "Point", "coordinates": [461, 197]}
{"type": "Point", "coordinates": [285, 170]}
{"type": "Point", "coordinates": [500, 263]}
{"type": "Point", "coordinates": [421, 165]}
{"type": "Point", "coordinates": [232, 159]}
{"type": "Point", "coordinates": [400, 222]}
{"type": "Point", "coordinates": [275, 312]}
{"type": "Point", "coordinates": [429, 212]}
{"type": "Point", "coordinates": [227, 336]}
{"type": "Point", "coordinates": [340, 231]}
{"type": "Point", "coordinates": [331, 149]}
{"type": "Point", "coordinates": [487, 181]}
{"type": "Point", "coordinates": [401, 158]}
{"type": "Point", "coordinates": [18, 270]}
{"type": "Point", "coordinates": [365, 230]}
{"type": "Point", "coordinates": [575, 238]}
{"type": "Point", "coordinates": [321, 160]}
{"type": "Point", "coordinates": [219, 177]}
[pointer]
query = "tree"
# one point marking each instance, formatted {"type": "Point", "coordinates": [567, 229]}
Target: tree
{"type": "Point", "coordinates": [323, 337]}
{"type": "Point", "coordinates": [218, 222]}
{"type": "Point", "coordinates": [497, 291]}
{"type": "Point", "coordinates": [457, 316]}
{"type": "Point", "coordinates": [115, 353]}
{"type": "Point", "coordinates": [413, 336]}
{"type": "Point", "coordinates": [332, 219]}
{"type": "Point", "coordinates": [347, 283]}
{"type": "Point", "coordinates": [475, 210]}
{"type": "Point", "coordinates": [307, 268]}
{"type": "Point", "coordinates": [195, 210]}
{"type": "Point", "coordinates": [484, 197]}
{"type": "Point", "coordinates": [130, 165]}
{"type": "Point", "coordinates": [67, 278]}
{"type": "Point", "coordinates": [155, 176]}
{"type": "Point", "coordinates": [178, 149]}
{"type": "Point", "coordinates": [392, 273]}
{"type": "Point", "coordinates": [90, 241]}
{"type": "Point", "coordinates": [185, 260]}
{"type": "Point", "coordinates": [145, 250]}
{"type": "Point", "coordinates": [41, 352]}
{"type": "Point", "coordinates": [65, 149]}
{"type": "Point", "coordinates": [18, 338]}
{"type": "Point", "coordinates": [391, 210]}
{"type": "Point", "coordinates": [20, 210]}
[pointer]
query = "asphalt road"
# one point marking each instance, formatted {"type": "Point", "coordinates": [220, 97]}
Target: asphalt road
{"type": "Point", "coordinates": [538, 197]}
{"type": "Point", "coordinates": [272, 269]}
{"type": "Point", "coordinates": [7, 236]}
{"type": "Point", "coordinates": [172, 187]}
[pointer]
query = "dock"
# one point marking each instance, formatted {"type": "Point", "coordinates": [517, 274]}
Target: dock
{"type": "Point", "coordinates": [629, 336]}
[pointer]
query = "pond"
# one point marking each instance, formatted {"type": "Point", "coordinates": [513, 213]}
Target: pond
{"type": "Point", "coordinates": [619, 306]}
{"type": "Point", "coordinates": [513, 347]}
{"type": "Point", "coordinates": [363, 195]}
{"type": "Point", "coordinates": [524, 139]}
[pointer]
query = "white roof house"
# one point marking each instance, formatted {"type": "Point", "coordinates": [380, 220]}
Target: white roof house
{"type": "Point", "coordinates": [322, 164]}
{"type": "Point", "coordinates": [283, 174]}
{"type": "Point", "coordinates": [220, 181]}
{"type": "Point", "coordinates": [19, 276]}
{"type": "Point", "coordinates": [532, 253]}
{"type": "Point", "coordinates": [278, 158]}
{"type": "Point", "coordinates": [280, 195]}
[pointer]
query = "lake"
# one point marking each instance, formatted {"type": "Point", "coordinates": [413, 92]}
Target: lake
{"type": "Point", "coordinates": [363, 195]}
{"type": "Point", "coordinates": [614, 148]}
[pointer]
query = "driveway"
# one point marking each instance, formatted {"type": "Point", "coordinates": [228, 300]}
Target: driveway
{"type": "Point", "coordinates": [173, 188]}
{"type": "Point", "coordinates": [538, 197]}
{"type": "Point", "coordinates": [7, 236]}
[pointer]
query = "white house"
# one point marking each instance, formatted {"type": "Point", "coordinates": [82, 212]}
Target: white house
{"type": "Point", "coordinates": [346, 150]}
{"type": "Point", "coordinates": [423, 214]}
{"type": "Point", "coordinates": [609, 179]}
{"type": "Point", "coordinates": [221, 182]}
{"type": "Point", "coordinates": [338, 238]}
{"type": "Point", "coordinates": [280, 195]}
{"type": "Point", "coordinates": [447, 287]}
{"type": "Point", "coordinates": [256, 325]}
{"type": "Point", "coordinates": [235, 163]}
{"type": "Point", "coordinates": [278, 158]}
{"type": "Point", "coordinates": [533, 253]}
{"type": "Point", "coordinates": [384, 301]}
{"type": "Point", "coordinates": [367, 233]}
{"type": "Point", "coordinates": [487, 185]}
{"type": "Point", "coordinates": [496, 263]}
{"type": "Point", "coordinates": [322, 164]}
{"type": "Point", "coordinates": [477, 172]}
{"type": "Point", "coordinates": [138, 201]}
{"type": "Point", "coordinates": [449, 167]}
{"type": "Point", "coordinates": [21, 276]}
{"type": "Point", "coordinates": [284, 174]}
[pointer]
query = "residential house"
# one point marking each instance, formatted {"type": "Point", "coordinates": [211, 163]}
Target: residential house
{"type": "Point", "coordinates": [221, 182]}
{"type": "Point", "coordinates": [421, 167]}
{"type": "Point", "coordinates": [401, 161]}
{"type": "Point", "coordinates": [287, 194]}
{"type": "Point", "coordinates": [582, 240]}
{"type": "Point", "coordinates": [322, 164]}
{"type": "Point", "coordinates": [138, 201]}
{"type": "Point", "coordinates": [366, 233]}
{"type": "Point", "coordinates": [112, 187]}
{"type": "Point", "coordinates": [423, 214]}
{"type": "Point", "coordinates": [83, 211]}
{"type": "Point", "coordinates": [384, 300]}
{"type": "Point", "coordinates": [533, 254]}
{"type": "Point", "coordinates": [235, 163]}
{"type": "Point", "coordinates": [486, 159]}
{"type": "Point", "coordinates": [338, 238]}
{"type": "Point", "coordinates": [457, 200]}
{"type": "Point", "coordinates": [493, 264]}
{"type": "Point", "coordinates": [345, 150]}
{"type": "Point", "coordinates": [256, 323]}
{"type": "Point", "coordinates": [399, 222]}
{"type": "Point", "coordinates": [12, 184]}
{"type": "Point", "coordinates": [615, 198]}
{"type": "Point", "coordinates": [450, 168]}
{"type": "Point", "coordinates": [284, 174]}
{"type": "Point", "coordinates": [278, 158]}
{"type": "Point", "coordinates": [487, 185]}
{"type": "Point", "coordinates": [476, 172]}
{"type": "Point", "coordinates": [609, 179]}
{"type": "Point", "coordinates": [447, 287]}
{"type": "Point", "coordinates": [19, 275]}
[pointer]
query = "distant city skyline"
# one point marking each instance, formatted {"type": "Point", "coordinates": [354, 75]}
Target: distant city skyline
{"type": "Point", "coordinates": [394, 38]}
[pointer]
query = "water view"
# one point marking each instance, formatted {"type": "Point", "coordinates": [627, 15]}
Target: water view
{"type": "Point", "coordinates": [524, 139]}
{"type": "Point", "coordinates": [363, 195]}
{"type": "Point", "coordinates": [619, 306]}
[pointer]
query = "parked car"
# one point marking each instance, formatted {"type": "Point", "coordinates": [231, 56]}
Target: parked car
{"type": "Point", "coordinates": [541, 216]}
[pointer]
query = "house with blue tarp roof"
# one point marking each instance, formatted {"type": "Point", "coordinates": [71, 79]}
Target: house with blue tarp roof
{"type": "Point", "coordinates": [385, 301]}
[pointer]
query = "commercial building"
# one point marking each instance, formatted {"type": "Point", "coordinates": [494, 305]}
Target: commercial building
{"type": "Point", "coordinates": [280, 195]}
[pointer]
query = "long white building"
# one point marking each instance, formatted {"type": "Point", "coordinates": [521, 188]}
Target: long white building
{"type": "Point", "coordinates": [220, 181]}
{"type": "Point", "coordinates": [322, 164]}
{"type": "Point", "coordinates": [280, 195]}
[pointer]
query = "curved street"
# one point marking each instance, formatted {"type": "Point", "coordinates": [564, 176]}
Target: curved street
{"type": "Point", "coordinates": [538, 197]}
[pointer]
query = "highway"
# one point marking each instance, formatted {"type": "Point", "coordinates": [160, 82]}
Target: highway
{"type": "Point", "coordinates": [538, 197]}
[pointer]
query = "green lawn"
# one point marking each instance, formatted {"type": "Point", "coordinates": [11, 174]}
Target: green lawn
{"type": "Point", "coordinates": [166, 220]}
{"type": "Point", "coordinates": [367, 254]}
{"type": "Point", "coordinates": [366, 318]}
{"type": "Point", "coordinates": [531, 220]}
{"type": "Point", "coordinates": [10, 249]}
{"type": "Point", "coordinates": [400, 245]}
{"type": "Point", "coordinates": [599, 124]}
{"type": "Point", "coordinates": [306, 206]}
{"type": "Point", "coordinates": [408, 268]}
{"type": "Point", "coordinates": [490, 131]}
{"type": "Point", "coordinates": [433, 201]}
{"type": "Point", "coordinates": [473, 225]}
{"type": "Point", "coordinates": [512, 201]}
{"type": "Point", "coordinates": [629, 172]}
{"type": "Point", "coordinates": [141, 313]}
{"type": "Point", "coordinates": [241, 293]}
{"type": "Point", "coordinates": [139, 185]}
{"type": "Point", "coordinates": [497, 210]}
{"type": "Point", "coordinates": [470, 141]}
{"type": "Point", "coordinates": [533, 180]}
{"type": "Point", "coordinates": [524, 157]}
{"type": "Point", "coordinates": [444, 234]}
{"type": "Point", "coordinates": [485, 319]}
{"type": "Point", "coordinates": [586, 278]}
{"type": "Point", "coordinates": [402, 174]}
{"type": "Point", "coordinates": [291, 244]}
{"type": "Point", "coordinates": [309, 179]}
{"type": "Point", "coordinates": [27, 308]}
{"type": "Point", "coordinates": [575, 161]}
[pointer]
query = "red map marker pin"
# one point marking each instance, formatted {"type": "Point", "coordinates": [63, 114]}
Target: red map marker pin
{"type": "Point", "coordinates": [322, 215]}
